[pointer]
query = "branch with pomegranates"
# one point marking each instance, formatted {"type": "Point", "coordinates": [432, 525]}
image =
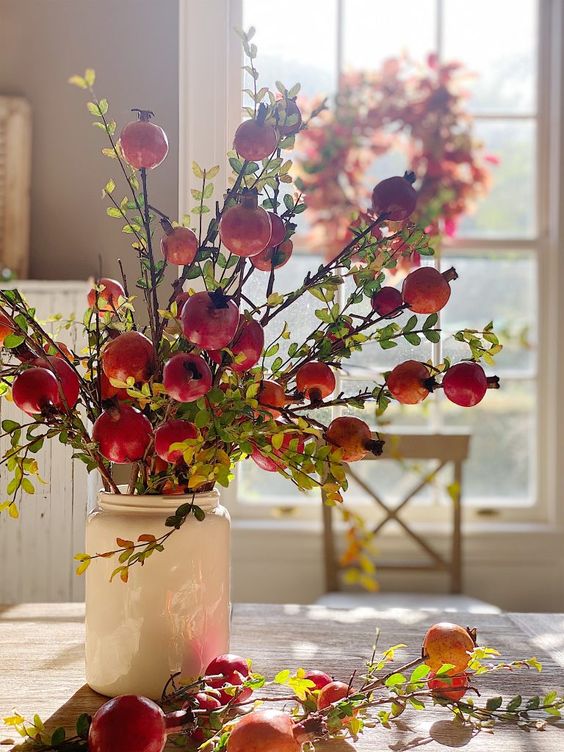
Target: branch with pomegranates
{"type": "Point", "coordinates": [233, 708]}
{"type": "Point", "coordinates": [196, 391]}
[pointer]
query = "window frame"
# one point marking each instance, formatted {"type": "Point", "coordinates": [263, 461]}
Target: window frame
{"type": "Point", "coordinates": [210, 24]}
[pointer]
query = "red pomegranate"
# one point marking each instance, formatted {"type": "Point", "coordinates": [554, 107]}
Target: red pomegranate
{"type": "Point", "coordinates": [129, 355]}
{"type": "Point", "coordinates": [209, 319]}
{"type": "Point", "coordinates": [143, 144]}
{"type": "Point", "coordinates": [245, 228]}
{"type": "Point", "coordinates": [122, 433]}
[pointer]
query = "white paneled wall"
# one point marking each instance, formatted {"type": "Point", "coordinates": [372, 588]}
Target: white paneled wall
{"type": "Point", "coordinates": [36, 550]}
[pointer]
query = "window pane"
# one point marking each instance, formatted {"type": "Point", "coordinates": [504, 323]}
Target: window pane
{"type": "Point", "coordinates": [509, 209]}
{"type": "Point", "coordinates": [495, 287]}
{"type": "Point", "coordinates": [378, 29]}
{"type": "Point", "coordinates": [498, 42]}
{"type": "Point", "coordinates": [502, 454]}
{"type": "Point", "coordinates": [296, 42]}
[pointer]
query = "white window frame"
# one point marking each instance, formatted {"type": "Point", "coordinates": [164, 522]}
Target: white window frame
{"type": "Point", "coordinates": [210, 109]}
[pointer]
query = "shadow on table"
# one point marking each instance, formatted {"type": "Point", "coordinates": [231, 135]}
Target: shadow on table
{"type": "Point", "coordinates": [84, 700]}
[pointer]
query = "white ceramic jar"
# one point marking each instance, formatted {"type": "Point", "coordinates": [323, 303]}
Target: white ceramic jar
{"type": "Point", "coordinates": [174, 612]}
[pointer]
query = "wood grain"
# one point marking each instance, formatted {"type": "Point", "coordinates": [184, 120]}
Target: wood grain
{"type": "Point", "coordinates": [41, 659]}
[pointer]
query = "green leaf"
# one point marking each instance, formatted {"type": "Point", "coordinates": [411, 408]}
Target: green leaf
{"type": "Point", "coordinates": [199, 514]}
{"type": "Point", "coordinates": [282, 677]}
{"type": "Point", "coordinates": [92, 108]}
{"type": "Point", "coordinates": [83, 725]}
{"type": "Point", "coordinates": [58, 736]}
{"type": "Point", "coordinates": [411, 323]}
{"type": "Point", "coordinates": [103, 105]}
{"type": "Point", "coordinates": [90, 76]}
{"type": "Point", "coordinates": [112, 211]}
{"type": "Point", "coordinates": [395, 679]}
{"type": "Point", "coordinates": [494, 703]}
{"type": "Point", "coordinates": [13, 340]}
{"type": "Point", "coordinates": [9, 425]}
{"type": "Point", "coordinates": [432, 335]}
{"type": "Point", "coordinates": [430, 321]}
{"type": "Point", "coordinates": [419, 673]}
{"type": "Point", "coordinates": [514, 703]}
{"type": "Point", "coordinates": [413, 339]}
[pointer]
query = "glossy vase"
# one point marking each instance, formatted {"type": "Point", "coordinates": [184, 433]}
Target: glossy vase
{"type": "Point", "coordinates": [173, 614]}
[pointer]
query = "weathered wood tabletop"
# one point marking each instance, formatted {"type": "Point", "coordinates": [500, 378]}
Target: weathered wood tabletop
{"type": "Point", "coordinates": [41, 665]}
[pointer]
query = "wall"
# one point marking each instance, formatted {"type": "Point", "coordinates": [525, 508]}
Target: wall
{"type": "Point", "coordinates": [133, 45]}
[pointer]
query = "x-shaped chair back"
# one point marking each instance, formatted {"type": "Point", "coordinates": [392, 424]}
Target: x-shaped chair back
{"type": "Point", "coordinates": [445, 448]}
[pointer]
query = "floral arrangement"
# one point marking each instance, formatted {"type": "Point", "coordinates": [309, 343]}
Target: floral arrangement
{"type": "Point", "coordinates": [214, 377]}
{"type": "Point", "coordinates": [220, 711]}
{"type": "Point", "coordinates": [419, 108]}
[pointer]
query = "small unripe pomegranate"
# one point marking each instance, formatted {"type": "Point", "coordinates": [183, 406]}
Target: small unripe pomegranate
{"type": "Point", "coordinates": [264, 731]}
{"type": "Point", "coordinates": [273, 257]}
{"type": "Point", "coordinates": [129, 355]}
{"type": "Point", "coordinates": [209, 319]}
{"type": "Point", "coordinates": [255, 140]}
{"type": "Point", "coordinates": [65, 375]}
{"type": "Point", "coordinates": [387, 302]}
{"type": "Point", "coordinates": [245, 228]}
{"type": "Point", "coordinates": [332, 692]}
{"type": "Point", "coordinates": [271, 396]}
{"type": "Point", "coordinates": [448, 688]}
{"type": "Point", "coordinates": [108, 297]}
{"type": "Point", "coordinates": [395, 197]}
{"type": "Point", "coordinates": [408, 382]}
{"type": "Point", "coordinates": [426, 290]}
{"type": "Point", "coordinates": [187, 377]}
{"type": "Point", "coordinates": [315, 380]}
{"type": "Point", "coordinates": [465, 384]}
{"type": "Point", "coordinates": [354, 437]}
{"type": "Point", "coordinates": [179, 245]}
{"type": "Point", "coordinates": [172, 432]}
{"type": "Point", "coordinates": [6, 327]}
{"type": "Point", "coordinates": [122, 433]}
{"type": "Point", "coordinates": [128, 724]}
{"type": "Point", "coordinates": [448, 643]}
{"type": "Point", "coordinates": [144, 144]}
{"type": "Point", "coordinates": [35, 390]}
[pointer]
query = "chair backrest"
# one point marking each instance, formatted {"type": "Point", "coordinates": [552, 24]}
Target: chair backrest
{"type": "Point", "coordinates": [15, 178]}
{"type": "Point", "coordinates": [442, 449]}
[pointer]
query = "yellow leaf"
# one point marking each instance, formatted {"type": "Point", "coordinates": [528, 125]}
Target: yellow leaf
{"type": "Point", "coordinates": [13, 511]}
{"type": "Point", "coordinates": [124, 574]}
{"type": "Point", "coordinates": [90, 76]}
{"type": "Point", "coordinates": [196, 480]}
{"type": "Point", "coordinates": [274, 299]}
{"type": "Point", "coordinates": [212, 172]}
{"type": "Point", "coordinates": [83, 566]}
{"type": "Point", "coordinates": [78, 81]}
{"type": "Point", "coordinates": [277, 440]}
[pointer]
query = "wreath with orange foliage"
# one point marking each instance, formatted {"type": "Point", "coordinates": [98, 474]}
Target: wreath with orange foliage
{"type": "Point", "coordinates": [420, 109]}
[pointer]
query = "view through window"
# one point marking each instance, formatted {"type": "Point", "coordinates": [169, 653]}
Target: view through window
{"type": "Point", "coordinates": [496, 248]}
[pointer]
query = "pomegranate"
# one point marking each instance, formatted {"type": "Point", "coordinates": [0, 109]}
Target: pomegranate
{"type": "Point", "coordinates": [229, 669]}
{"type": "Point", "coordinates": [288, 110]}
{"type": "Point", "coordinates": [319, 678]}
{"type": "Point", "coordinates": [6, 327]}
{"type": "Point", "coordinates": [271, 396]}
{"type": "Point", "coordinates": [387, 302]}
{"type": "Point", "coordinates": [448, 688]}
{"type": "Point", "coordinates": [247, 346]}
{"type": "Point", "coordinates": [108, 390]}
{"type": "Point", "coordinates": [465, 384]}
{"type": "Point", "coordinates": [172, 432]}
{"type": "Point", "coordinates": [122, 433]}
{"type": "Point", "coordinates": [187, 377]}
{"type": "Point", "coordinates": [426, 290]}
{"type": "Point", "coordinates": [315, 380]}
{"type": "Point", "coordinates": [65, 375]}
{"type": "Point", "coordinates": [209, 319]}
{"type": "Point", "coordinates": [264, 731]}
{"type": "Point", "coordinates": [448, 643]}
{"type": "Point", "coordinates": [408, 382]}
{"type": "Point", "coordinates": [179, 245]}
{"type": "Point", "coordinates": [129, 355]}
{"type": "Point", "coordinates": [128, 724]}
{"type": "Point", "coordinates": [278, 229]}
{"type": "Point", "coordinates": [273, 257]}
{"type": "Point", "coordinates": [332, 692]}
{"type": "Point", "coordinates": [395, 198]}
{"type": "Point", "coordinates": [35, 390]}
{"type": "Point", "coordinates": [255, 140]}
{"type": "Point", "coordinates": [144, 144]}
{"type": "Point", "coordinates": [245, 228]}
{"type": "Point", "coordinates": [109, 294]}
{"type": "Point", "coordinates": [354, 437]}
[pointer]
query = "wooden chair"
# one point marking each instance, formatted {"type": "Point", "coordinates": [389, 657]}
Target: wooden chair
{"type": "Point", "coordinates": [15, 176]}
{"type": "Point", "coordinates": [447, 448]}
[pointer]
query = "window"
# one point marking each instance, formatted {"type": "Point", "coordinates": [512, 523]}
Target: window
{"type": "Point", "coordinates": [502, 251]}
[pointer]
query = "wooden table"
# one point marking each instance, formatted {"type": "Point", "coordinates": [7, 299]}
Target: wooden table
{"type": "Point", "coordinates": [41, 665]}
